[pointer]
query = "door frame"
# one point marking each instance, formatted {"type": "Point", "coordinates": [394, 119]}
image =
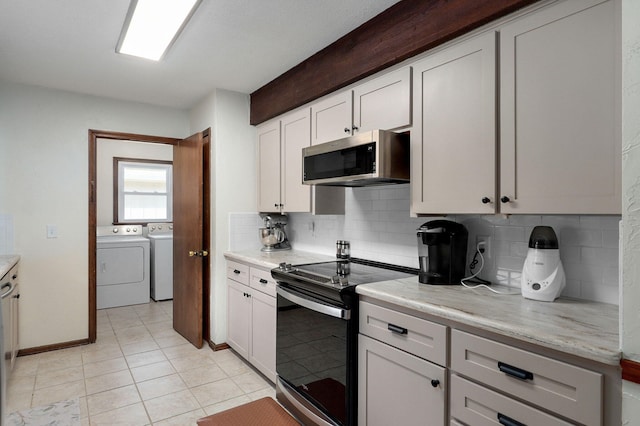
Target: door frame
{"type": "Point", "coordinates": [94, 135]}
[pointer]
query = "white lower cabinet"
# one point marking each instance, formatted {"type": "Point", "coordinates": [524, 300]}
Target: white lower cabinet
{"type": "Point", "coordinates": [396, 385]}
{"type": "Point", "coordinates": [251, 316]}
{"type": "Point", "coordinates": [476, 405]}
{"type": "Point", "coordinates": [397, 388]}
{"type": "Point", "coordinates": [558, 387]}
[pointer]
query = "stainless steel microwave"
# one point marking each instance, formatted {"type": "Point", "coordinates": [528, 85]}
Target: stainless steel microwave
{"type": "Point", "coordinates": [376, 157]}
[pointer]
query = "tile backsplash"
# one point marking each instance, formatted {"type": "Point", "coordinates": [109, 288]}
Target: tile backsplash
{"type": "Point", "coordinates": [6, 234]}
{"type": "Point", "coordinates": [378, 226]}
{"type": "Point", "coordinates": [243, 231]}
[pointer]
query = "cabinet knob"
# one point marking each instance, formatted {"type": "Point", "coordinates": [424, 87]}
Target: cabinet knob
{"type": "Point", "coordinates": [347, 130]}
{"type": "Point", "coordinates": [235, 271]}
{"type": "Point", "coordinates": [505, 199]}
{"type": "Point", "coordinates": [263, 281]}
{"type": "Point", "coordinates": [435, 383]}
{"type": "Point", "coordinates": [354, 128]}
{"type": "Point", "coordinates": [275, 205]}
{"type": "Point", "coordinates": [486, 200]}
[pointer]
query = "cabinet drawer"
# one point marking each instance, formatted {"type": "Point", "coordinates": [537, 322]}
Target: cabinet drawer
{"type": "Point", "coordinates": [417, 336]}
{"type": "Point", "coordinates": [563, 388]}
{"type": "Point", "coordinates": [478, 406]}
{"type": "Point", "coordinates": [238, 272]}
{"type": "Point", "coordinates": [263, 281]}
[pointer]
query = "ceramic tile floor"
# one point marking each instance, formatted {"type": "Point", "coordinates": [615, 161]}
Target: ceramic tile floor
{"type": "Point", "coordinates": [139, 372]}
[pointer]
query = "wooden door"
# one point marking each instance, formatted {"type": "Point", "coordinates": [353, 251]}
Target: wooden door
{"type": "Point", "coordinates": [190, 208]}
{"type": "Point", "coordinates": [454, 139]}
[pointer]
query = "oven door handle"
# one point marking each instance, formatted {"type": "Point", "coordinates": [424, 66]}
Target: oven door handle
{"type": "Point", "coordinates": [300, 299]}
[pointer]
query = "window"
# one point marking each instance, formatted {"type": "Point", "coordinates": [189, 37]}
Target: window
{"type": "Point", "coordinates": [142, 190]}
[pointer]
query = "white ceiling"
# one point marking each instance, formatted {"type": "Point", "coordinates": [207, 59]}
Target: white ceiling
{"type": "Point", "coordinates": [237, 45]}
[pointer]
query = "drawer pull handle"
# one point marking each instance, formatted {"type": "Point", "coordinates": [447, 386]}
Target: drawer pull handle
{"type": "Point", "coordinates": [263, 281]}
{"type": "Point", "coordinates": [515, 371]}
{"type": "Point", "coordinates": [235, 271]}
{"type": "Point", "coordinates": [508, 421]}
{"type": "Point", "coordinates": [396, 329]}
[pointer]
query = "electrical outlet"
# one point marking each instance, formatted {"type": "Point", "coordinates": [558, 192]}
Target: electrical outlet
{"type": "Point", "coordinates": [485, 242]}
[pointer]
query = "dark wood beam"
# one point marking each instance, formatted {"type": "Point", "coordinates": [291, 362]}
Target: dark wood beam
{"type": "Point", "coordinates": [404, 30]}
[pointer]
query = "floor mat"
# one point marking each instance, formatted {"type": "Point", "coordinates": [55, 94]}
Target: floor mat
{"type": "Point", "coordinates": [63, 413]}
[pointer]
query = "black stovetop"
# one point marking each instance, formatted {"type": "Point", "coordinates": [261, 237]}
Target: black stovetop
{"type": "Point", "coordinates": [340, 275]}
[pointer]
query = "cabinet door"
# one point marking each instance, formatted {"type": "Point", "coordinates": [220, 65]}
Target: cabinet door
{"type": "Point", "coordinates": [331, 118]}
{"type": "Point", "coordinates": [383, 103]}
{"type": "Point", "coordinates": [269, 167]}
{"type": "Point", "coordinates": [453, 145]}
{"type": "Point", "coordinates": [560, 141]}
{"type": "Point", "coordinates": [396, 388]}
{"type": "Point", "coordinates": [262, 353]}
{"type": "Point", "coordinates": [296, 134]}
{"type": "Point", "coordinates": [238, 317]}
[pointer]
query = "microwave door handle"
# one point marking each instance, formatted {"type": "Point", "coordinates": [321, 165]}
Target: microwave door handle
{"type": "Point", "coordinates": [299, 299]}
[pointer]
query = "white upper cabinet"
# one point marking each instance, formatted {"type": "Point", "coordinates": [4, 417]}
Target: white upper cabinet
{"type": "Point", "coordinates": [453, 142]}
{"type": "Point", "coordinates": [559, 103]}
{"type": "Point", "coordinates": [295, 197]}
{"type": "Point", "coordinates": [332, 118]}
{"type": "Point", "coordinates": [381, 103]}
{"type": "Point", "coordinates": [269, 167]}
{"type": "Point", "coordinates": [280, 188]}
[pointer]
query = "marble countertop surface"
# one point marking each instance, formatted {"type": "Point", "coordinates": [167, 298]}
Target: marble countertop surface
{"type": "Point", "coordinates": [582, 328]}
{"type": "Point", "coordinates": [273, 259]}
{"type": "Point", "coordinates": [7, 262]}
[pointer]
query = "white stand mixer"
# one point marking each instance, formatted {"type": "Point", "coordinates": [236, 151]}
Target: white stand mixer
{"type": "Point", "coordinates": [542, 274]}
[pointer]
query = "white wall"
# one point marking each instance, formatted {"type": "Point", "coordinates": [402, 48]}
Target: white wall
{"type": "Point", "coordinates": [44, 163]}
{"type": "Point", "coordinates": [233, 184]}
{"type": "Point", "coordinates": [378, 225]}
{"type": "Point", "coordinates": [630, 297]}
{"type": "Point", "coordinates": [108, 149]}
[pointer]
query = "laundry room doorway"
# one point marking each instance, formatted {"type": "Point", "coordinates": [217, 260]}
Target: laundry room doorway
{"type": "Point", "coordinates": [191, 216]}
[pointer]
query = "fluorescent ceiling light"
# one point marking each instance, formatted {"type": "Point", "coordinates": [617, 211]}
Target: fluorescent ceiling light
{"type": "Point", "coordinates": [153, 25]}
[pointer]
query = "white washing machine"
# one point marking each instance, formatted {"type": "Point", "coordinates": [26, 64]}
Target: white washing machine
{"type": "Point", "coordinates": [122, 263]}
{"type": "Point", "coordinates": [161, 238]}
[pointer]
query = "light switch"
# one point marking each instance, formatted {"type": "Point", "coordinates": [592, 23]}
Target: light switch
{"type": "Point", "coordinates": [52, 231]}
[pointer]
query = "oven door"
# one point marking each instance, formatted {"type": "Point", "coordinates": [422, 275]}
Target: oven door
{"type": "Point", "coordinates": [312, 352]}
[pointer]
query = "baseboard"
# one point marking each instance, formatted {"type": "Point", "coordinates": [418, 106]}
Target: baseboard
{"type": "Point", "coordinates": [53, 347]}
{"type": "Point", "coordinates": [630, 370]}
{"type": "Point", "coordinates": [218, 347]}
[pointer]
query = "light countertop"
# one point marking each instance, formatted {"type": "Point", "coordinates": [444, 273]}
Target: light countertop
{"type": "Point", "coordinates": [7, 262]}
{"type": "Point", "coordinates": [582, 328]}
{"type": "Point", "coordinates": [273, 259]}
{"type": "Point", "coordinates": [585, 329]}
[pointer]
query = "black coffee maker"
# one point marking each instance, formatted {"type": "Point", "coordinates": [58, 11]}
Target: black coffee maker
{"type": "Point", "coordinates": [442, 252]}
